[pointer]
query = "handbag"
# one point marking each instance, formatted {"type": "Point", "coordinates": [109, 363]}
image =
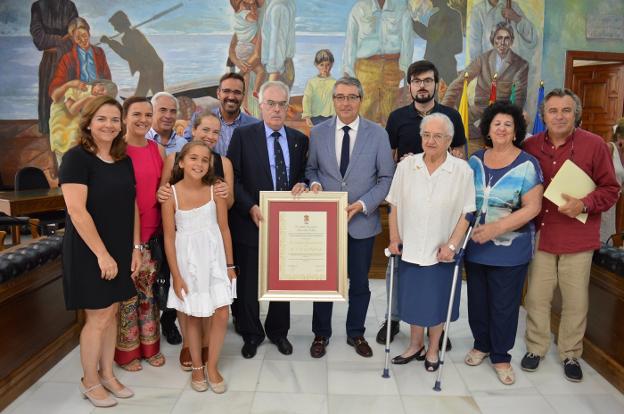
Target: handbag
{"type": "Point", "coordinates": [160, 287]}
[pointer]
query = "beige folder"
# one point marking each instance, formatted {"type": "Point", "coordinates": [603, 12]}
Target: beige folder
{"type": "Point", "coordinates": [570, 180]}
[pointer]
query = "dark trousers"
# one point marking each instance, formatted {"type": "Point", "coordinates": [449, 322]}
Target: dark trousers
{"type": "Point", "coordinates": [248, 309]}
{"type": "Point", "coordinates": [494, 294]}
{"type": "Point", "coordinates": [360, 254]}
{"type": "Point", "coordinates": [168, 318]}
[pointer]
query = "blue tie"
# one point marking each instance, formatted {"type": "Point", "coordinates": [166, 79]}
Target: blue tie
{"type": "Point", "coordinates": [281, 178]}
{"type": "Point", "coordinates": [344, 154]}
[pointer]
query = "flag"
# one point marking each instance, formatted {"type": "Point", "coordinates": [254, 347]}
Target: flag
{"type": "Point", "coordinates": [538, 123]}
{"type": "Point", "coordinates": [463, 110]}
{"type": "Point", "coordinates": [512, 96]}
{"type": "Point", "coordinates": [493, 90]}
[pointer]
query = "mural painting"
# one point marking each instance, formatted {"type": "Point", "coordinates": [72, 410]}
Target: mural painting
{"type": "Point", "coordinates": [184, 47]}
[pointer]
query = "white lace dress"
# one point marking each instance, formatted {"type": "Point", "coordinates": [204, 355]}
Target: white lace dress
{"type": "Point", "coordinates": [201, 260]}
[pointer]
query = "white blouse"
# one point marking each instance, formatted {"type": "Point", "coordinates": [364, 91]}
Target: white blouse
{"type": "Point", "coordinates": [429, 206]}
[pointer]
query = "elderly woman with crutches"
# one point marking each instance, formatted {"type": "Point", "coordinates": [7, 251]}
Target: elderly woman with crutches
{"type": "Point", "coordinates": [430, 195]}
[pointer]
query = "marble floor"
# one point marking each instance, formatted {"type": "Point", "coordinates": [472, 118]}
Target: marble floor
{"type": "Point", "coordinates": [341, 382]}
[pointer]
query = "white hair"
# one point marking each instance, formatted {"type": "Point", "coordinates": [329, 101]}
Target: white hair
{"type": "Point", "coordinates": [439, 116]}
{"type": "Point", "coordinates": [159, 95]}
{"type": "Point", "coordinates": [272, 84]}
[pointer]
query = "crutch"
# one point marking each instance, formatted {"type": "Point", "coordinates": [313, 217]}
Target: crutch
{"type": "Point", "coordinates": [386, 371]}
{"type": "Point", "coordinates": [458, 258]}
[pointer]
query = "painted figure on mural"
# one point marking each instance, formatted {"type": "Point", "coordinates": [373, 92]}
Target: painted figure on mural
{"type": "Point", "coordinates": [278, 40]}
{"type": "Point", "coordinates": [443, 34]}
{"type": "Point", "coordinates": [246, 45]}
{"type": "Point", "coordinates": [48, 28]}
{"type": "Point", "coordinates": [83, 61]}
{"type": "Point", "coordinates": [501, 61]}
{"type": "Point", "coordinates": [67, 102]}
{"type": "Point", "coordinates": [486, 14]}
{"type": "Point", "coordinates": [139, 53]}
{"type": "Point", "coordinates": [378, 49]}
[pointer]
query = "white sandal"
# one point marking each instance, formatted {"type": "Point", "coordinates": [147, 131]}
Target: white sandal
{"type": "Point", "coordinates": [475, 357]}
{"type": "Point", "coordinates": [200, 386]}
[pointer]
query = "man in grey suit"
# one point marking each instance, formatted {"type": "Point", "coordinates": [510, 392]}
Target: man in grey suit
{"type": "Point", "coordinates": [352, 154]}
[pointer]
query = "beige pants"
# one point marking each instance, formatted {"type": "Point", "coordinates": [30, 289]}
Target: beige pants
{"type": "Point", "coordinates": [571, 273]}
{"type": "Point", "coordinates": [380, 80]}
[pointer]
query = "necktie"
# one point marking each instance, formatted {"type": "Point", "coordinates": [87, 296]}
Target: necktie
{"type": "Point", "coordinates": [344, 154]}
{"type": "Point", "coordinates": [281, 178]}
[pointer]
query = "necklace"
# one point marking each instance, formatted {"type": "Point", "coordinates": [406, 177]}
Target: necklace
{"type": "Point", "coordinates": [105, 160]}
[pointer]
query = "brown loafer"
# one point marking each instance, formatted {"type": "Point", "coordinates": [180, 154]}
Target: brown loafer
{"type": "Point", "coordinates": [185, 359]}
{"type": "Point", "coordinates": [361, 346]}
{"type": "Point", "coordinates": [317, 350]}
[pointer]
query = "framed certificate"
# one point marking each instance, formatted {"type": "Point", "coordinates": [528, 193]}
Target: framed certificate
{"type": "Point", "coordinates": [303, 247]}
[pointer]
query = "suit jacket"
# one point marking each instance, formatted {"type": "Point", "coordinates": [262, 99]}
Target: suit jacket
{"type": "Point", "coordinates": [252, 174]}
{"type": "Point", "coordinates": [68, 67]}
{"type": "Point", "coordinates": [367, 178]}
{"type": "Point", "coordinates": [514, 69]}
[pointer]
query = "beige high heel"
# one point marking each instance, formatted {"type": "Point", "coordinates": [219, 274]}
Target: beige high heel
{"type": "Point", "coordinates": [125, 392]}
{"type": "Point", "coordinates": [218, 387]}
{"type": "Point", "coordinates": [200, 386]}
{"type": "Point", "coordinates": [103, 402]}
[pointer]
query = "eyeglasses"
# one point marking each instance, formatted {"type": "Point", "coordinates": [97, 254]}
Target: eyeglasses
{"type": "Point", "coordinates": [436, 137]}
{"type": "Point", "coordinates": [350, 98]}
{"type": "Point", "coordinates": [421, 82]}
{"type": "Point", "coordinates": [275, 104]}
{"type": "Point", "coordinates": [234, 92]}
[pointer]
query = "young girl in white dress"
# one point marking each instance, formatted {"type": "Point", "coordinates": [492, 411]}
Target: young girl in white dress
{"type": "Point", "coordinates": [199, 247]}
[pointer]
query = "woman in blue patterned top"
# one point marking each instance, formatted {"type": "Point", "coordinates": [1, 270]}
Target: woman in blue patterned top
{"type": "Point", "coordinates": [508, 184]}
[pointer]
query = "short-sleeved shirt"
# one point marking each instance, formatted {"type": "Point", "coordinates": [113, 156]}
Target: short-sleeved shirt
{"type": "Point", "coordinates": [499, 193]}
{"type": "Point", "coordinates": [429, 206]}
{"type": "Point", "coordinates": [403, 128]}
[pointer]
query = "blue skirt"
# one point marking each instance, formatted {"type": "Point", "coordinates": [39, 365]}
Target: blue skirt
{"type": "Point", "coordinates": [424, 292]}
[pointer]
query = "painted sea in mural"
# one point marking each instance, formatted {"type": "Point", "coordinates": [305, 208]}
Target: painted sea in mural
{"type": "Point", "coordinates": [193, 42]}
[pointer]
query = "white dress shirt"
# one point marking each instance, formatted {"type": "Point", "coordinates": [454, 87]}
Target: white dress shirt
{"type": "Point", "coordinates": [340, 135]}
{"type": "Point", "coordinates": [429, 206]}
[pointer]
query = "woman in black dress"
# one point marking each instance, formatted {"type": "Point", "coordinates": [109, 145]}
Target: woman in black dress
{"type": "Point", "coordinates": [98, 185]}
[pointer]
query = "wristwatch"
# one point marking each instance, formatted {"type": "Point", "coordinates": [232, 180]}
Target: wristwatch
{"type": "Point", "coordinates": [452, 247]}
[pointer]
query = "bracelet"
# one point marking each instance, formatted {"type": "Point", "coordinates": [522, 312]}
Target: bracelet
{"type": "Point", "coordinates": [138, 247]}
{"type": "Point", "coordinates": [235, 268]}
{"type": "Point", "coordinates": [452, 247]}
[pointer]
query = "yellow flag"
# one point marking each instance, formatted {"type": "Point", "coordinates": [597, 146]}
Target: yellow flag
{"type": "Point", "coordinates": [463, 107]}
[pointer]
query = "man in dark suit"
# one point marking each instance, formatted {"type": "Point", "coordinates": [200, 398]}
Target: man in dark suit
{"type": "Point", "coordinates": [266, 156]}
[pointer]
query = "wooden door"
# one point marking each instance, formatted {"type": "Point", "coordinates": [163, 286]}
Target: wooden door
{"type": "Point", "coordinates": [601, 89]}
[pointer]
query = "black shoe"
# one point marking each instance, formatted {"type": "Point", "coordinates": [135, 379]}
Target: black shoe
{"type": "Point", "coordinates": [572, 370]}
{"type": "Point", "coordinates": [432, 366]}
{"type": "Point", "coordinates": [172, 334]}
{"type": "Point", "coordinates": [418, 356]}
{"type": "Point", "coordinates": [249, 349]}
{"type": "Point", "coordinates": [283, 345]}
{"type": "Point", "coordinates": [381, 335]}
{"type": "Point", "coordinates": [530, 362]}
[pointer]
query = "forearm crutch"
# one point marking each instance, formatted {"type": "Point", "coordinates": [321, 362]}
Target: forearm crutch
{"type": "Point", "coordinates": [386, 371]}
{"type": "Point", "coordinates": [458, 259]}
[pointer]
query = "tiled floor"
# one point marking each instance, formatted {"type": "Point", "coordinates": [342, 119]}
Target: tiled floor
{"type": "Point", "coordinates": [341, 382]}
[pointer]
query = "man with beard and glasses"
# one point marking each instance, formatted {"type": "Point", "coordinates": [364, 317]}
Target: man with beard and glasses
{"type": "Point", "coordinates": [403, 129]}
{"type": "Point", "coordinates": [230, 94]}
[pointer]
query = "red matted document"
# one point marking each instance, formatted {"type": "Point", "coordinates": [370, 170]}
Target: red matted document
{"type": "Point", "coordinates": [303, 247]}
